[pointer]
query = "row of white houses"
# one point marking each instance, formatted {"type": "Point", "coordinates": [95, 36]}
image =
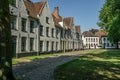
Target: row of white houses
{"type": "Point", "coordinates": [35, 30]}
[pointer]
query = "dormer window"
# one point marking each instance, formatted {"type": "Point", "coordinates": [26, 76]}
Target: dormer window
{"type": "Point", "coordinates": [47, 20]}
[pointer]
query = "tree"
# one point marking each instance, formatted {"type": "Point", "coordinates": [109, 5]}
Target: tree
{"type": "Point", "coordinates": [109, 19]}
{"type": "Point", "coordinates": [5, 42]}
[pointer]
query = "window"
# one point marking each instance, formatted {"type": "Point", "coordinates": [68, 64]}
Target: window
{"type": "Point", "coordinates": [23, 44]}
{"type": "Point", "coordinates": [61, 33]}
{"type": "Point", "coordinates": [13, 3]}
{"type": "Point", "coordinates": [91, 45]}
{"type": "Point", "coordinates": [56, 46]}
{"type": "Point", "coordinates": [41, 30]}
{"type": "Point", "coordinates": [13, 22]}
{"type": "Point", "coordinates": [23, 23]}
{"type": "Point", "coordinates": [47, 20]}
{"type": "Point", "coordinates": [86, 39]}
{"type": "Point", "coordinates": [91, 39]}
{"type": "Point", "coordinates": [96, 40]}
{"type": "Point", "coordinates": [52, 32]}
{"type": "Point", "coordinates": [104, 39]}
{"type": "Point", "coordinates": [47, 31]}
{"type": "Point", "coordinates": [47, 46]}
{"type": "Point", "coordinates": [41, 46]}
{"type": "Point", "coordinates": [31, 26]}
{"type": "Point", "coordinates": [108, 44]}
{"type": "Point", "coordinates": [31, 44]}
{"type": "Point", "coordinates": [57, 33]}
{"type": "Point", "coordinates": [112, 45]}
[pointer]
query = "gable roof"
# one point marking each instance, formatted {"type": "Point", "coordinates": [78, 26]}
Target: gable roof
{"type": "Point", "coordinates": [77, 29]}
{"type": "Point", "coordinates": [68, 22]}
{"type": "Point", "coordinates": [39, 7]}
{"type": "Point", "coordinates": [100, 33]}
{"type": "Point", "coordinates": [88, 34]}
{"type": "Point", "coordinates": [56, 17]}
{"type": "Point", "coordinates": [30, 8]}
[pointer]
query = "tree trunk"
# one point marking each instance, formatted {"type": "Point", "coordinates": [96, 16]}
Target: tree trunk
{"type": "Point", "coordinates": [5, 42]}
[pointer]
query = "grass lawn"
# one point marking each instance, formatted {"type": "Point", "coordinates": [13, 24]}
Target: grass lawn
{"type": "Point", "coordinates": [30, 58]}
{"type": "Point", "coordinates": [98, 65]}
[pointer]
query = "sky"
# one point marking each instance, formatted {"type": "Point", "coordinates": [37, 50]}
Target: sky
{"type": "Point", "coordinates": [85, 12]}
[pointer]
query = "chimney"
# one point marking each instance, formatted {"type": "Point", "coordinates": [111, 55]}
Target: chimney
{"type": "Point", "coordinates": [56, 11]}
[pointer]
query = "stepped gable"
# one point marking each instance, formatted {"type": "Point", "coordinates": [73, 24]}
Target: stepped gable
{"type": "Point", "coordinates": [68, 22]}
{"type": "Point", "coordinates": [56, 17]}
{"type": "Point", "coordinates": [77, 28]}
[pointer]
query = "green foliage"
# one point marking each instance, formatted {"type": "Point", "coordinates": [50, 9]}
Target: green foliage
{"type": "Point", "coordinates": [109, 19]}
{"type": "Point", "coordinates": [98, 65]}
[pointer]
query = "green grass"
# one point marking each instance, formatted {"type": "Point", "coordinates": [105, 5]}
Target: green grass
{"type": "Point", "coordinates": [31, 58]}
{"type": "Point", "coordinates": [98, 65]}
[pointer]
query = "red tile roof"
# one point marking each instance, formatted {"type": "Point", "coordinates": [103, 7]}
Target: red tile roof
{"type": "Point", "coordinates": [101, 33]}
{"type": "Point", "coordinates": [39, 7]}
{"type": "Point", "coordinates": [30, 8]}
{"type": "Point", "coordinates": [68, 22]}
{"type": "Point", "coordinates": [56, 17]}
{"type": "Point", "coordinates": [34, 8]}
{"type": "Point", "coordinates": [77, 28]}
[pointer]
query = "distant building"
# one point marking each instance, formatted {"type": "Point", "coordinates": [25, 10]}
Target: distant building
{"type": "Point", "coordinates": [96, 40]}
{"type": "Point", "coordinates": [90, 40]}
{"type": "Point", "coordinates": [106, 43]}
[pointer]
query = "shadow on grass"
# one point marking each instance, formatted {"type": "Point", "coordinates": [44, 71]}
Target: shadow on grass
{"type": "Point", "coordinates": [109, 54]}
{"type": "Point", "coordinates": [87, 68]}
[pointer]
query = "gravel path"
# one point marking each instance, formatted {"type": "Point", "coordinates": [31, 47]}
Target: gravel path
{"type": "Point", "coordinates": [42, 69]}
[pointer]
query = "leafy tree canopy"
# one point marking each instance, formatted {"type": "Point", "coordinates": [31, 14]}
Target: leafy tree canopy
{"type": "Point", "coordinates": [109, 19]}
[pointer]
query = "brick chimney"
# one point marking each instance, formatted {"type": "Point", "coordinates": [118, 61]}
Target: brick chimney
{"type": "Point", "coordinates": [56, 11]}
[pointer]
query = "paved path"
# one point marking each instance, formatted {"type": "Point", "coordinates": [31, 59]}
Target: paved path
{"type": "Point", "coordinates": [42, 69]}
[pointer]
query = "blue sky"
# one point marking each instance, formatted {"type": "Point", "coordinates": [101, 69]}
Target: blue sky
{"type": "Point", "coordinates": [85, 12]}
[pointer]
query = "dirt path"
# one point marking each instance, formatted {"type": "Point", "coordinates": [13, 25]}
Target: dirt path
{"type": "Point", "coordinates": [42, 69]}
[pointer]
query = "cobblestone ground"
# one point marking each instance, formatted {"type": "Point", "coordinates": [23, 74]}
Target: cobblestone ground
{"type": "Point", "coordinates": [42, 69]}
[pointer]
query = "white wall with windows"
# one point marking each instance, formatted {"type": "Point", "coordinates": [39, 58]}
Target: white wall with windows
{"type": "Point", "coordinates": [106, 43]}
{"type": "Point", "coordinates": [91, 42]}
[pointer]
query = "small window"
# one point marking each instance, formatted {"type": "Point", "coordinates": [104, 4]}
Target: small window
{"type": "Point", "coordinates": [96, 40]}
{"type": "Point", "coordinates": [47, 20]}
{"type": "Point", "coordinates": [52, 32]}
{"type": "Point", "coordinates": [108, 44]}
{"type": "Point", "coordinates": [23, 44]}
{"type": "Point", "coordinates": [13, 22]}
{"type": "Point", "coordinates": [23, 24]}
{"type": "Point", "coordinates": [47, 46]}
{"type": "Point", "coordinates": [41, 46]}
{"type": "Point", "coordinates": [56, 46]}
{"type": "Point", "coordinates": [31, 44]}
{"type": "Point", "coordinates": [86, 39]}
{"type": "Point", "coordinates": [41, 30]}
{"type": "Point", "coordinates": [31, 26]}
{"type": "Point", "coordinates": [104, 39]}
{"type": "Point", "coordinates": [112, 45]}
{"type": "Point", "coordinates": [57, 33]}
{"type": "Point", "coordinates": [47, 31]}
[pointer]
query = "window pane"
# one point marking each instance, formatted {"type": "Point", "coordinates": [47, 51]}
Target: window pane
{"type": "Point", "coordinates": [13, 22]}
{"type": "Point", "coordinates": [23, 24]}
{"type": "Point", "coordinates": [31, 26]}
